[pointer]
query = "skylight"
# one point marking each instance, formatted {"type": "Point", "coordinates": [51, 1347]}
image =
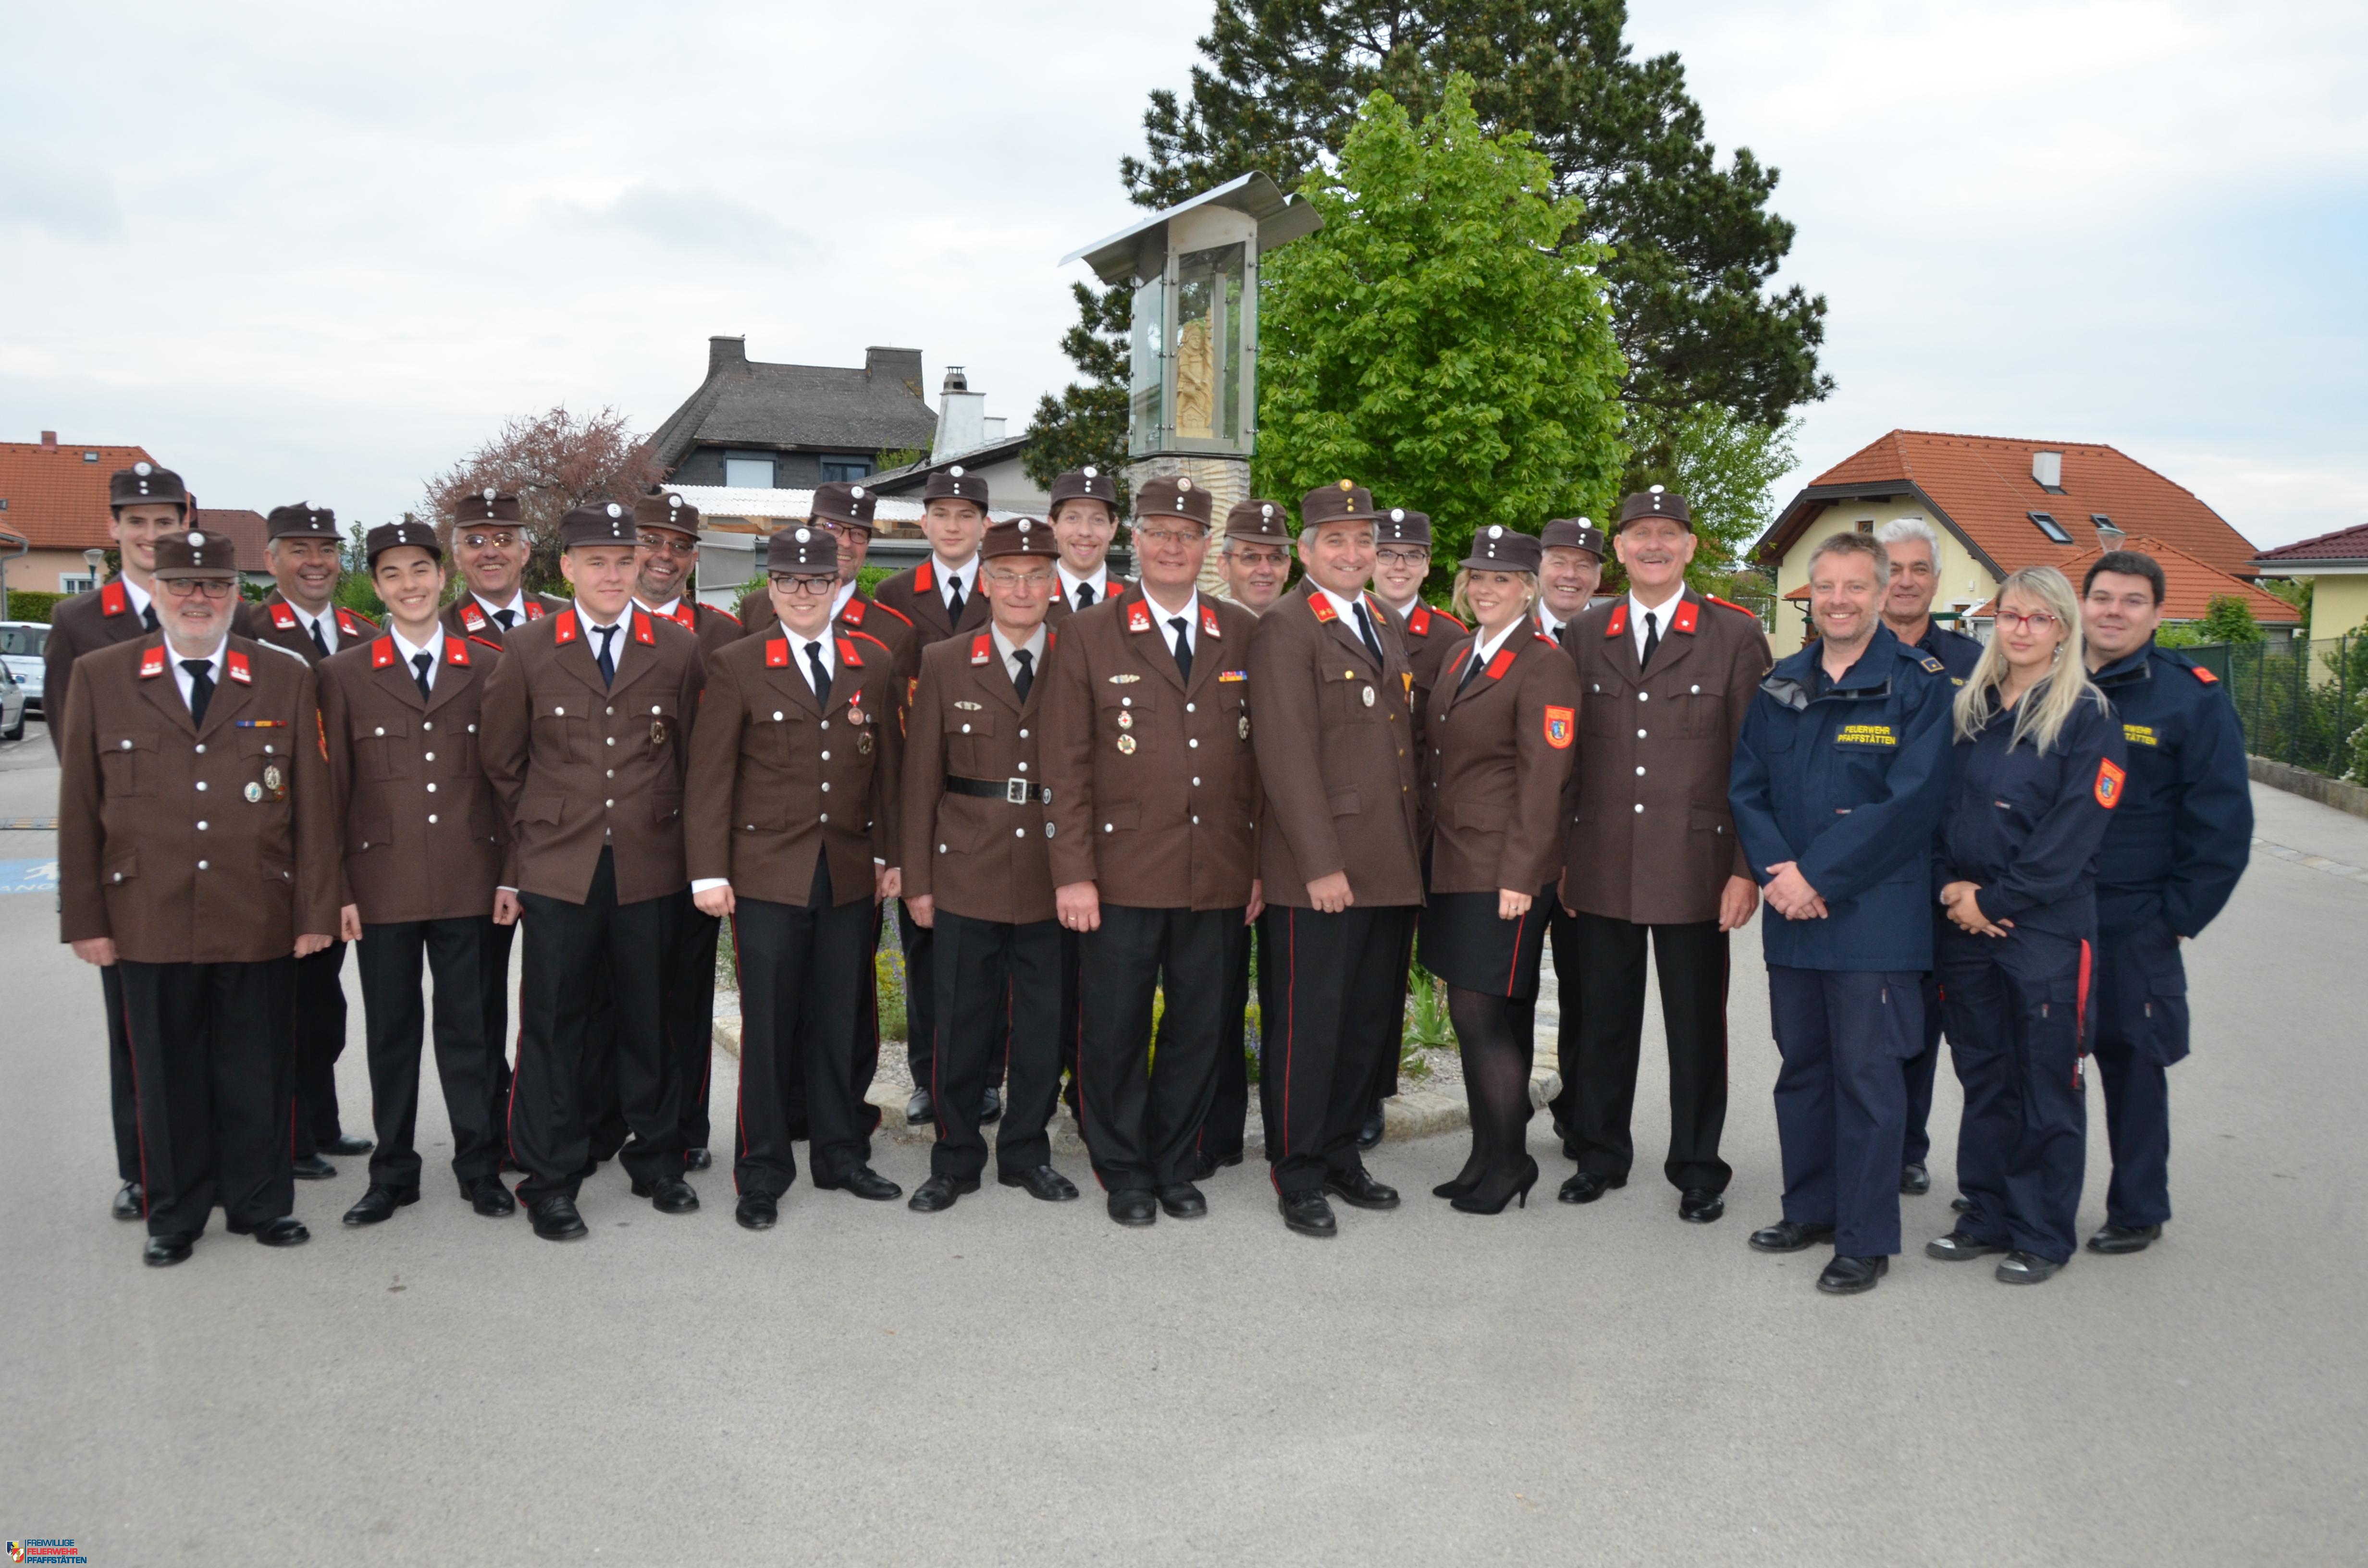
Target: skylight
{"type": "Point", "coordinates": [2050, 527]}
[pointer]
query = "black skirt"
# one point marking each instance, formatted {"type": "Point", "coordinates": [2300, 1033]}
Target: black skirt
{"type": "Point", "coordinates": [1467, 946]}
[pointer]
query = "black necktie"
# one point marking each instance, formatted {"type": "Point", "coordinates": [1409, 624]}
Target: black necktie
{"type": "Point", "coordinates": [608, 635]}
{"type": "Point", "coordinates": [320, 642]}
{"type": "Point", "coordinates": [1365, 631]}
{"type": "Point", "coordinates": [1561, 635]}
{"type": "Point", "coordinates": [1085, 596]}
{"type": "Point", "coordinates": [1027, 675]}
{"type": "Point", "coordinates": [1652, 638]}
{"type": "Point", "coordinates": [954, 605]}
{"type": "Point", "coordinates": [201, 686]}
{"type": "Point", "coordinates": [421, 663]}
{"type": "Point", "coordinates": [508, 618]}
{"type": "Point", "coordinates": [1183, 647]}
{"type": "Point", "coordinates": [148, 615]}
{"type": "Point", "coordinates": [1471, 668]}
{"type": "Point", "coordinates": [821, 675]}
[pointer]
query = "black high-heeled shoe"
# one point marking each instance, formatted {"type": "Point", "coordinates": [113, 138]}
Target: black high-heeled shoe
{"type": "Point", "coordinates": [1470, 1204]}
{"type": "Point", "coordinates": [1459, 1187]}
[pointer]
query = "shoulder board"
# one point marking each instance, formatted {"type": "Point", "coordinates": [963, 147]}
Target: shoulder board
{"type": "Point", "coordinates": [726, 614]}
{"type": "Point", "coordinates": [1726, 604]}
{"type": "Point", "coordinates": [982, 648]}
{"type": "Point", "coordinates": [2207, 676]}
{"type": "Point", "coordinates": [284, 615]}
{"type": "Point", "coordinates": [487, 642]}
{"type": "Point", "coordinates": [646, 631]}
{"type": "Point", "coordinates": [1931, 664]}
{"type": "Point", "coordinates": [235, 664]}
{"type": "Point", "coordinates": [1547, 640]}
{"type": "Point", "coordinates": [566, 631]}
{"type": "Point", "coordinates": [1502, 662]}
{"type": "Point", "coordinates": [152, 663]}
{"type": "Point", "coordinates": [1138, 617]}
{"type": "Point", "coordinates": [891, 609]}
{"type": "Point", "coordinates": [471, 617]}
{"type": "Point", "coordinates": [1619, 622]}
{"type": "Point", "coordinates": [382, 654]}
{"type": "Point", "coordinates": [114, 599]}
{"type": "Point", "coordinates": [867, 637]}
{"type": "Point", "coordinates": [1322, 607]}
{"type": "Point", "coordinates": [924, 577]}
{"type": "Point", "coordinates": [456, 651]}
{"type": "Point", "coordinates": [777, 652]}
{"type": "Point", "coordinates": [1209, 620]}
{"type": "Point", "coordinates": [1419, 621]}
{"type": "Point", "coordinates": [285, 652]}
{"type": "Point", "coordinates": [1687, 618]}
{"type": "Point", "coordinates": [848, 656]}
{"type": "Point", "coordinates": [1447, 618]}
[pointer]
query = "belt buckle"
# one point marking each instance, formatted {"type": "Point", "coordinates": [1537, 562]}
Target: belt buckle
{"type": "Point", "coordinates": [1015, 791]}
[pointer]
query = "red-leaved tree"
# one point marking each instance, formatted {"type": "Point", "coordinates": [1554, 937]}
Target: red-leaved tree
{"type": "Point", "coordinates": [552, 462]}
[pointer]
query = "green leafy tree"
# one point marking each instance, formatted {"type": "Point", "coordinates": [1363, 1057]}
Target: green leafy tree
{"type": "Point", "coordinates": [1086, 424]}
{"type": "Point", "coordinates": [2228, 619]}
{"type": "Point", "coordinates": [1438, 340]}
{"type": "Point", "coordinates": [1725, 465]}
{"type": "Point", "coordinates": [1693, 249]}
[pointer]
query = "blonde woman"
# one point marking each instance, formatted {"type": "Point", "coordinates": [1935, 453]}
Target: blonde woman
{"type": "Point", "coordinates": [2038, 770]}
{"type": "Point", "coordinates": [1497, 731]}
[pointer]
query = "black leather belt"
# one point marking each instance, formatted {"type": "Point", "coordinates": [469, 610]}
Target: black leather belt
{"type": "Point", "coordinates": [1016, 791]}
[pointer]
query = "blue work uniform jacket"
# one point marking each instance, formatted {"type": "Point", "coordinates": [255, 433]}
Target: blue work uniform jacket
{"type": "Point", "coordinates": [1958, 654]}
{"type": "Point", "coordinates": [2184, 830]}
{"type": "Point", "coordinates": [2027, 827]}
{"type": "Point", "coordinates": [1845, 779]}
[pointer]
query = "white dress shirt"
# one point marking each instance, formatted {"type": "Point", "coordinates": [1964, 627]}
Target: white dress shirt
{"type": "Point", "coordinates": [1033, 648]}
{"type": "Point", "coordinates": [306, 620]}
{"type": "Point", "coordinates": [516, 606]}
{"type": "Point", "coordinates": [406, 651]}
{"type": "Point", "coordinates": [139, 598]}
{"type": "Point", "coordinates": [1098, 582]}
{"type": "Point", "coordinates": [1191, 614]}
{"type": "Point", "coordinates": [946, 572]}
{"type": "Point", "coordinates": [1637, 611]}
{"type": "Point", "coordinates": [822, 647]}
{"type": "Point", "coordinates": [186, 681]}
{"type": "Point", "coordinates": [1482, 651]}
{"type": "Point", "coordinates": [617, 644]}
{"type": "Point", "coordinates": [1550, 623]}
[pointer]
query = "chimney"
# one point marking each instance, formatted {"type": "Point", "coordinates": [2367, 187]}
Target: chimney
{"type": "Point", "coordinates": [48, 440]}
{"type": "Point", "coordinates": [961, 417]}
{"type": "Point", "coordinates": [726, 354]}
{"type": "Point", "coordinates": [901, 366]}
{"type": "Point", "coordinates": [2047, 468]}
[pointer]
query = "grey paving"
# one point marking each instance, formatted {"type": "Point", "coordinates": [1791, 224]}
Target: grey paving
{"type": "Point", "coordinates": [1014, 1382]}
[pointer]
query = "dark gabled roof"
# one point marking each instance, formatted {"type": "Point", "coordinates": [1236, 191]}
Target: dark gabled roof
{"type": "Point", "coordinates": [912, 476]}
{"type": "Point", "coordinates": [2347, 546]}
{"type": "Point", "coordinates": [873, 407]}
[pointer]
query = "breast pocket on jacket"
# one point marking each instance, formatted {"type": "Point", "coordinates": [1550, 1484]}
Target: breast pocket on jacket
{"type": "Point", "coordinates": [563, 732]}
{"type": "Point", "coordinates": [970, 743]}
{"type": "Point", "coordinates": [126, 761]}
{"type": "Point", "coordinates": [1698, 710]}
{"type": "Point", "coordinates": [1352, 697]}
{"type": "Point", "coordinates": [379, 746]}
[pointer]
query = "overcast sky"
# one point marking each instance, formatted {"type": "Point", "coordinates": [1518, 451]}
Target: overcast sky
{"type": "Point", "coordinates": [305, 251]}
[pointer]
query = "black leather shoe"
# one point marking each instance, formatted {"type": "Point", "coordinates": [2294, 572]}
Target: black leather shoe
{"type": "Point", "coordinates": [920, 1110]}
{"type": "Point", "coordinates": [1851, 1276]}
{"type": "Point", "coordinates": [1959, 1247]}
{"type": "Point", "coordinates": [865, 1183]}
{"type": "Point", "coordinates": [172, 1247]}
{"type": "Point", "coordinates": [990, 1109]}
{"type": "Point", "coordinates": [1041, 1181]}
{"type": "Point", "coordinates": [1183, 1202]}
{"type": "Point", "coordinates": [488, 1197]}
{"type": "Point", "coordinates": [696, 1160]}
{"type": "Point", "coordinates": [1587, 1187]}
{"type": "Point", "coordinates": [756, 1210]}
{"type": "Point", "coordinates": [1915, 1180]}
{"type": "Point", "coordinates": [1785, 1235]}
{"type": "Point", "coordinates": [668, 1194]}
{"type": "Point", "coordinates": [555, 1220]}
{"type": "Point", "coordinates": [1370, 1133]}
{"type": "Point", "coordinates": [1357, 1190]}
{"type": "Point", "coordinates": [2116, 1239]}
{"type": "Point", "coordinates": [1700, 1205]}
{"type": "Point", "coordinates": [1133, 1206]}
{"type": "Point", "coordinates": [1962, 1204]}
{"type": "Point", "coordinates": [344, 1144]}
{"type": "Point", "coordinates": [312, 1167]}
{"type": "Point", "coordinates": [1307, 1213]}
{"type": "Point", "coordinates": [938, 1193]}
{"type": "Point", "coordinates": [2025, 1268]}
{"type": "Point", "coordinates": [285, 1232]}
{"type": "Point", "coordinates": [130, 1202]}
{"type": "Point", "coordinates": [1206, 1166]}
{"type": "Point", "coordinates": [379, 1202]}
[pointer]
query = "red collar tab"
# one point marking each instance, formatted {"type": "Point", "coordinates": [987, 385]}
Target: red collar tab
{"type": "Point", "coordinates": [471, 617]}
{"type": "Point", "coordinates": [924, 577]}
{"type": "Point", "coordinates": [777, 653]}
{"type": "Point", "coordinates": [1503, 661]}
{"type": "Point", "coordinates": [644, 632]}
{"type": "Point", "coordinates": [347, 625]}
{"type": "Point", "coordinates": [684, 616]}
{"type": "Point", "coordinates": [283, 615]}
{"type": "Point", "coordinates": [1419, 621]}
{"type": "Point", "coordinates": [566, 633]}
{"type": "Point", "coordinates": [382, 654]}
{"type": "Point", "coordinates": [1138, 617]}
{"type": "Point", "coordinates": [1689, 612]}
{"type": "Point", "coordinates": [1447, 676]}
{"type": "Point", "coordinates": [236, 664]}
{"type": "Point", "coordinates": [533, 610]}
{"type": "Point", "coordinates": [1209, 622]}
{"type": "Point", "coordinates": [114, 599]}
{"type": "Point", "coordinates": [853, 613]}
{"type": "Point", "coordinates": [1619, 622]}
{"type": "Point", "coordinates": [152, 663]}
{"type": "Point", "coordinates": [982, 648]}
{"type": "Point", "coordinates": [848, 656]}
{"type": "Point", "coordinates": [1321, 603]}
{"type": "Point", "coordinates": [456, 651]}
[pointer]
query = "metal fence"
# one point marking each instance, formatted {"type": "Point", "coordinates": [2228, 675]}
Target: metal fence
{"type": "Point", "coordinates": [2302, 704]}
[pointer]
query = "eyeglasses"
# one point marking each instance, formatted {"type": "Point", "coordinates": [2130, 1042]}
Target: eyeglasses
{"type": "Point", "coordinates": [1169, 538]}
{"type": "Point", "coordinates": [664, 543]}
{"type": "Point", "coordinates": [189, 587]}
{"type": "Point", "coordinates": [1040, 581]}
{"type": "Point", "coordinates": [497, 541]}
{"type": "Point", "coordinates": [804, 588]}
{"type": "Point", "coordinates": [2037, 621]}
{"type": "Point", "coordinates": [1403, 557]}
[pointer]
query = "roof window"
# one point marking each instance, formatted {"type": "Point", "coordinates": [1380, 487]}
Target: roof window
{"type": "Point", "coordinates": [90, 457]}
{"type": "Point", "coordinates": [2050, 527]}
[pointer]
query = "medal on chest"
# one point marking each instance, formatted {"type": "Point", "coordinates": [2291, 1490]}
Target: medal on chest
{"type": "Point", "coordinates": [275, 781]}
{"type": "Point", "coordinates": [1126, 745]}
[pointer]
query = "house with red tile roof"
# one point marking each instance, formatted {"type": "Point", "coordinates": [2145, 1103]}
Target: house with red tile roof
{"type": "Point", "coordinates": [1999, 505]}
{"type": "Point", "coordinates": [2337, 566]}
{"type": "Point", "coordinates": [2190, 585]}
{"type": "Point", "coordinates": [244, 529]}
{"type": "Point", "coordinates": [53, 496]}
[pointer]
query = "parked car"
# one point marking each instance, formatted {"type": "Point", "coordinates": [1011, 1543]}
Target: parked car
{"type": "Point", "coordinates": [20, 651]}
{"type": "Point", "coordinates": [12, 706]}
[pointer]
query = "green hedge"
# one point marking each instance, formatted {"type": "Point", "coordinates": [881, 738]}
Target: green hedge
{"type": "Point", "coordinates": [25, 604]}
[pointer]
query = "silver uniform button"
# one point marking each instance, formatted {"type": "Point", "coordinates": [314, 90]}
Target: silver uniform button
{"type": "Point", "coordinates": [1196, 783]}
{"type": "Point", "coordinates": [825, 757]}
{"type": "Point", "coordinates": [1023, 766]}
{"type": "Point", "coordinates": [202, 865]}
{"type": "Point", "coordinates": [201, 827]}
{"type": "Point", "coordinates": [825, 788]}
{"type": "Point", "coordinates": [1695, 690]}
{"type": "Point", "coordinates": [1023, 735]}
{"type": "Point", "coordinates": [1640, 696]}
{"type": "Point", "coordinates": [1189, 709]}
{"type": "Point", "coordinates": [201, 783]}
{"type": "Point", "coordinates": [431, 819]}
{"type": "Point", "coordinates": [379, 730]}
{"type": "Point", "coordinates": [1640, 808]}
{"type": "Point", "coordinates": [431, 757]}
{"type": "Point", "coordinates": [201, 747]}
{"type": "Point", "coordinates": [1194, 742]}
{"type": "Point", "coordinates": [613, 740]}
{"type": "Point", "coordinates": [1640, 734]}
{"type": "Point", "coordinates": [1021, 832]}
{"type": "Point", "coordinates": [431, 788]}
{"type": "Point", "coordinates": [612, 805]}
{"type": "Point", "coordinates": [127, 746]}
{"type": "Point", "coordinates": [777, 715]}
{"type": "Point", "coordinates": [824, 817]}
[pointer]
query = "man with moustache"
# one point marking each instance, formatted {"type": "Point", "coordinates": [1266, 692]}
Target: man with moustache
{"type": "Point", "coordinates": [423, 843]}
{"type": "Point", "coordinates": [197, 853]}
{"type": "Point", "coordinates": [490, 549]}
{"type": "Point", "coordinates": [1255, 554]}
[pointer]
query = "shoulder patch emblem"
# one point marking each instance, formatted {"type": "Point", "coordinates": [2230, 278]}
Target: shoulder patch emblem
{"type": "Point", "coordinates": [1559, 728]}
{"type": "Point", "coordinates": [533, 610]}
{"type": "Point", "coordinates": [645, 631]}
{"type": "Point", "coordinates": [2207, 676]}
{"type": "Point", "coordinates": [1934, 666]}
{"type": "Point", "coordinates": [1209, 622]}
{"type": "Point", "coordinates": [925, 579]}
{"type": "Point", "coordinates": [2109, 784]}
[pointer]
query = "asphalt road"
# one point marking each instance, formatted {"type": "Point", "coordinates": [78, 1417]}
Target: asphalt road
{"type": "Point", "coordinates": [1017, 1382]}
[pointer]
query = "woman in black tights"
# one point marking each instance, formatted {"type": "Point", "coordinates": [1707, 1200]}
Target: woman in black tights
{"type": "Point", "coordinates": [1496, 737]}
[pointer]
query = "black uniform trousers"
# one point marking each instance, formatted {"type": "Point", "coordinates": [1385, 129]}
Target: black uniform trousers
{"type": "Point", "coordinates": [999, 990]}
{"type": "Point", "coordinates": [1144, 1108]}
{"type": "Point", "coordinates": [569, 948]}
{"type": "Point", "coordinates": [1223, 1131]}
{"type": "Point", "coordinates": [920, 993]}
{"type": "Point", "coordinates": [1326, 987]}
{"type": "Point", "coordinates": [494, 977]}
{"type": "Point", "coordinates": [805, 970]}
{"type": "Point", "coordinates": [213, 1054]}
{"type": "Point", "coordinates": [1920, 1068]}
{"type": "Point", "coordinates": [1562, 940]}
{"type": "Point", "coordinates": [320, 1041]}
{"type": "Point", "coordinates": [388, 962]}
{"type": "Point", "coordinates": [2141, 1014]}
{"type": "Point", "coordinates": [1692, 960]}
{"type": "Point", "coordinates": [1072, 1024]}
{"type": "Point", "coordinates": [1386, 1062]}
{"type": "Point", "coordinates": [691, 1018]}
{"type": "Point", "coordinates": [1841, 1101]}
{"type": "Point", "coordinates": [865, 1045]}
{"type": "Point", "coordinates": [123, 1103]}
{"type": "Point", "coordinates": [2016, 1008]}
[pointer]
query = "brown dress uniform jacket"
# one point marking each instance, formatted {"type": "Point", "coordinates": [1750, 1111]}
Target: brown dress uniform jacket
{"type": "Point", "coordinates": [1155, 796]}
{"type": "Point", "coordinates": [1651, 839]}
{"type": "Point", "coordinates": [189, 845]}
{"type": "Point", "coordinates": [1431, 636]}
{"type": "Point", "coordinates": [777, 778]}
{"type": "Point", "coordinates": [464, 616]}
{"type": "Point", "coordinates": [1496, 756]}
{"type": "Point", "coordinates": [1336, 751]}
{"type": "Point", "coordinates": [914, 594]}
{"type": "Point", "coordinates": [981, 858]}
{"type": "Point", "coordinates": [858, 614]}
{"type": "Point", "coordinates": [99, 619]}
{"type": "Point", "coordinates": [580, 767]}
{"type": "Point", "coordinates": [423, 836]}
{"type": "Point", "coordinates": [274, 621]}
